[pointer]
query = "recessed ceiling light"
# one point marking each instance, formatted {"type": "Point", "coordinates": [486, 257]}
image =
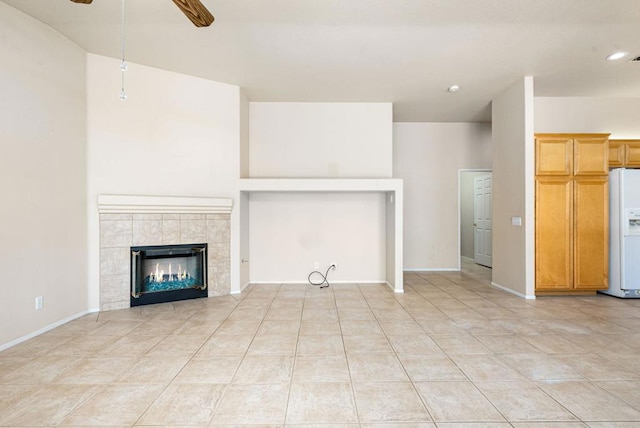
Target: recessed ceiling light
{"type": "Point", "coordinates": [617, 55]}
{"type": "Point", "coordinates": [453, 88]}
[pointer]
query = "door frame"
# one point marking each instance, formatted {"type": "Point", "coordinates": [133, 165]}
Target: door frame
{"type": "Point", "coordinates": [460, 171]}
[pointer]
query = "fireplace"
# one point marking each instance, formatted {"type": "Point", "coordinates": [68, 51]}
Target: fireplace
{"type": "Point", "coordinates": [167, 273]}
{"type": "Point", "coordinates": [128, 221]}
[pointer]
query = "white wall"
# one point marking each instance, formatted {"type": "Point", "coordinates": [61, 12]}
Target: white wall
{"type": "Point", "coordinates": [175, 135]}
{"type": "Point", "coordinates": [327, 140]}
{"type": "Point", "coordinates": [618, 116]}
{"type": "Point", "coordinates": [427, 156]}
{"type": "Point", "coordinates": [241, 228]}
{"type": "Point", "coordinates": [513, 188]}
{"type": "Point", "coordinates": [42, 176]}
{"type": "Point", "coordinates": [312, 140]}
{"type": "Point", "coordinates": [244, 135]}
{"type": "Point", "coordinates": [291, 231]}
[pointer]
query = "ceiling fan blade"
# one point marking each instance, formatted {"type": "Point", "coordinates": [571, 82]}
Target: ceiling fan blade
{"type": "Point", "coordinates": [82, 1]}
{"type": "Point", "coordinates": [195, 11]}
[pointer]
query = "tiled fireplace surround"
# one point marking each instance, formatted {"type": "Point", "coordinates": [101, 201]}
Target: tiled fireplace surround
{"type": "Point", "coordinates": [127, 221]}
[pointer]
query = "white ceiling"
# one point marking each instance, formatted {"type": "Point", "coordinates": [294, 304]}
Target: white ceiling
{"type": "Point", "coordinates": [403, 51]}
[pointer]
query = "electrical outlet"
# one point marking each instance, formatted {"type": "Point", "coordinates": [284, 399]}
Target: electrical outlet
{"type": "Point", "coordinates": [316, 265]}
{"type": "Point", "coordinates": [39, 302]}
{"type": "Point", "coordinates": [334, 264]}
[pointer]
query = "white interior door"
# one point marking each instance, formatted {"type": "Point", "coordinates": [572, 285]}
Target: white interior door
{"type": "Point", "coordinates": [482, 219]}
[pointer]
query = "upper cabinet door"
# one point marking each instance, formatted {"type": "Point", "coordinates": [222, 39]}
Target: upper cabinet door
{"type": "Point", "coordinates": [554, 156]}
{"type": "Point", "coordinates": [591, 156]}
{"type": "Point", "coordinates": [616, 153]}
{"type": "Point", "coordinates": [632, 153]}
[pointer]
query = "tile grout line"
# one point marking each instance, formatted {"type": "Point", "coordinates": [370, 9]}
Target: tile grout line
{"type": "Point", "coordinates": [346, 357]}
{"type": "Point", "coordinates": [244, 355]}
{"type": "Point", "coordinates": [413, 385]}
{"type": "Point", "coordinates": [293, 364]}
{"type": "Point", "coordinates": [183, 367]}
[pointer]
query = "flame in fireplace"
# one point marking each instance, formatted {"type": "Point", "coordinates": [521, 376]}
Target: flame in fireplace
{"type": "Point", "coordinates": [159, 275]}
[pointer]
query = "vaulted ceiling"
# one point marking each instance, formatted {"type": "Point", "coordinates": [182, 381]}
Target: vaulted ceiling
{"type": "Point", "coordinates": [403, 51]}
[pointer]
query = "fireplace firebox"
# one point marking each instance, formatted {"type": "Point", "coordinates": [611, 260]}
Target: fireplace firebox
{"type": "Point", "coordinates": [167, 273]}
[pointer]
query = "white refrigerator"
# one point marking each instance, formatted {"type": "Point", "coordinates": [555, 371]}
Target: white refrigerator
{"type": "Point", "coordinates": [624, 233]}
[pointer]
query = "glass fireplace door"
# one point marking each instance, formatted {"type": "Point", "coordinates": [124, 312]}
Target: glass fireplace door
{"type": "Point", "coordinates": [168, 272]}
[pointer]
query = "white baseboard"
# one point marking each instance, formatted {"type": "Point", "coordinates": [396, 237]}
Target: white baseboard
{"type": "Point", "coordinates": [275, 282]}
{"type": "Point", "coordinates": [401, 291]}
{"type": "Point", "coordinates": [468, 259]}
{"type": "Point", "coordinates": [45, 329]}
{"type": "Point", "coordinates": [508, 290]}
{"type": "Point", "coordinates": [432, 270]}
{"type": "Point", "coordinates": [242, 288]}
{"type": "Point", "coordinates": [363, 282]}
{"type": "Point", "coordinates": [305, 282]}
{"type": "Point", "coordinates": [334, 282]}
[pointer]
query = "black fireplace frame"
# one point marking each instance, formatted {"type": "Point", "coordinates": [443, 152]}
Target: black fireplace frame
{"type": "Point", "coordinates": [140, 253]}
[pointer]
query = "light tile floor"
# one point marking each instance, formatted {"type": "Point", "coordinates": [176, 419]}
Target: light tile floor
{"type": "Point", "coordinates": [450, 352]}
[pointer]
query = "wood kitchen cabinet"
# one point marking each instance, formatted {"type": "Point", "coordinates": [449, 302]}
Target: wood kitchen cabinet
{"type": "Point", "coordinates": [632, 154]}
{"type": "Point", "coordinates": [591, 156]}
{"type": "Point", "coordinates": [554, 233]}
{"type": "Point", "coordinates": [624, 153]}
{"type": "Point", "coordinates": [591, 233]}
{"type": "Point", "coordinates": [616, 154]}
{"type": "Point", "coordinates": [572, 221]}
{"type": "Point", "coordinates": [554, 156]}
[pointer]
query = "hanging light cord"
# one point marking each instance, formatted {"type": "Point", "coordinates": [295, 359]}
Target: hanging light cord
{"type": "Point", "coordinates": [123, 65]}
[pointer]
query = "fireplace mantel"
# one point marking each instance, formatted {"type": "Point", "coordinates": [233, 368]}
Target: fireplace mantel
{"type": "Point", "coordinates": [124, 204]}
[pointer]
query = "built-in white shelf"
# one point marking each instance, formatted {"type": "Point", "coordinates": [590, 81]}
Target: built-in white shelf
{"type": "Point", "coordinates": [320, 185]}
{"type": "Point", "coordinates": [392, 187]}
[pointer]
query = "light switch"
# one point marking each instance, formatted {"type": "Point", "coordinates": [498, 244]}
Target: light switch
{"type": "Point", "coordinates": [516, 221]}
